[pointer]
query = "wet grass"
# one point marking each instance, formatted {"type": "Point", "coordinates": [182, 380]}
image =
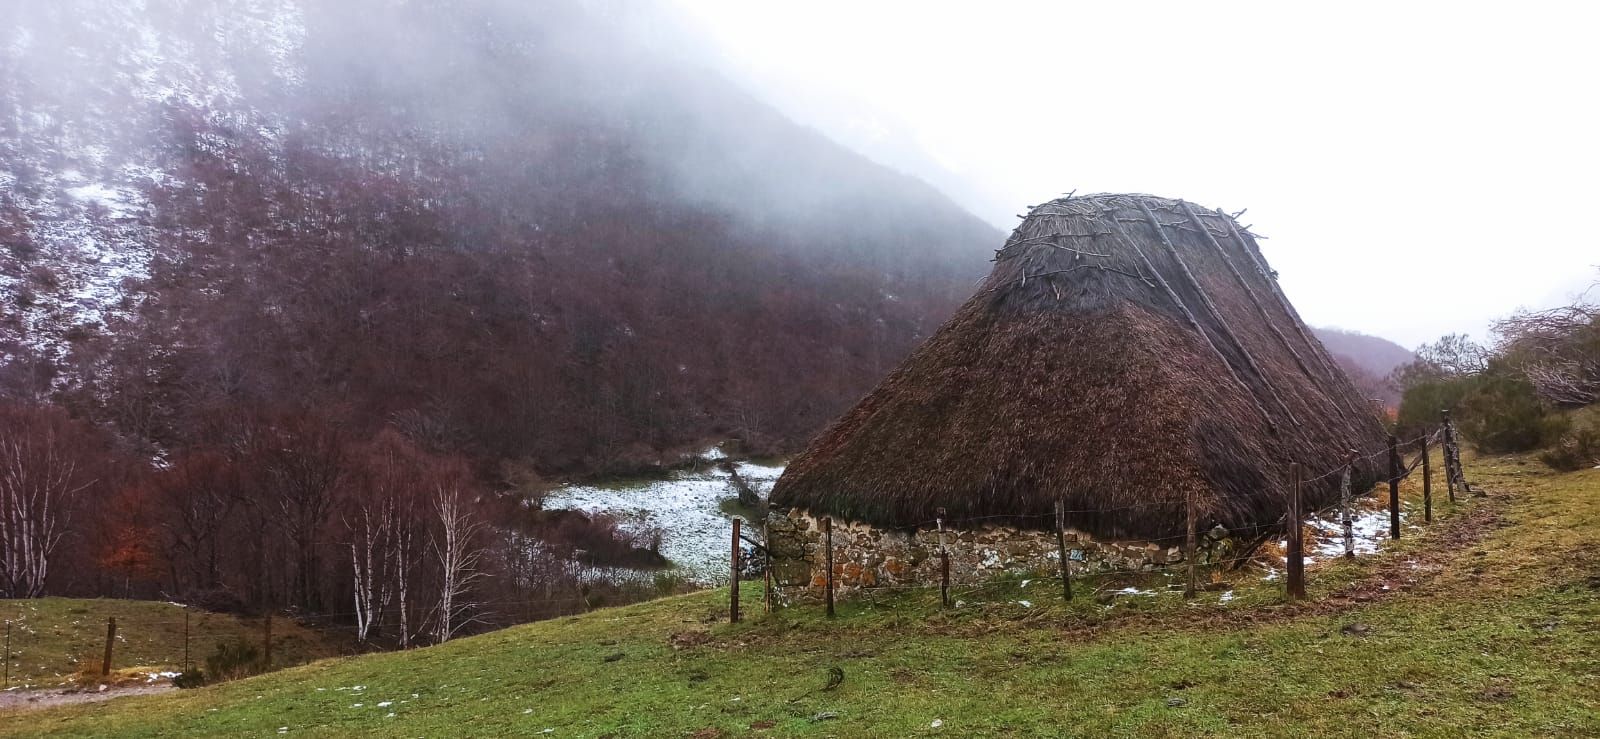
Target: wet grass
{"type": "Point", "coordinates": [61, 641]}
{"type": "Point", "coordinates": [1486, 622]}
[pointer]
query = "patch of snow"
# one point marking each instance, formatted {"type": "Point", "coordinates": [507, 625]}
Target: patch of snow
{"type": "Point", "coordinates": [1134, 591]}
{"type": "Point", "coordinates": [684, 508]}
{"type": "Point", "coordinates": [1226, 596]}
{"type": "Point", "coordinates": [1369, 528]}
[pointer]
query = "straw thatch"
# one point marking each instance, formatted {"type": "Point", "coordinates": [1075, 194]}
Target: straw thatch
{"type": "Point", "coordinates": [1127, 351]}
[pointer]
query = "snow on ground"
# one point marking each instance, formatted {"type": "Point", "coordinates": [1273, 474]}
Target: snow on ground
{"type": "Point", "coordinates": [684, 508]}
{"type": "Point", "coordinates": [1369, 525]}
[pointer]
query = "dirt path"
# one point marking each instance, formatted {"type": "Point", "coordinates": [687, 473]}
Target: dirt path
{"type": "Point", "coordinates": [13, 701]}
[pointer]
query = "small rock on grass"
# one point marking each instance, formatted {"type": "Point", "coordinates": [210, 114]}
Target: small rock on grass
{"type": "Point", "coordinates": [824, 716]}
{"type": "Point", "coordinates": [1175, 702]}
{"type": "Point", "coordinates": [1356, 629]}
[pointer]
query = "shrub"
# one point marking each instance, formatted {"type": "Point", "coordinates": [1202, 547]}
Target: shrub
{"type": "Point", "coordinates": [1421, 403]}
{"type": "Point", "coordinates": [233, 660]}
{"type": "Point", "coordinates": [1577, 445]}
{"type": "Point", "coordinates": [189, 679]}
{"type": "Point", "coordinates": [1501, 413]}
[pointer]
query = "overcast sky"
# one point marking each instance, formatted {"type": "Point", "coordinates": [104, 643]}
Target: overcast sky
{"type": "Point", "coordinates": [1419, 169]}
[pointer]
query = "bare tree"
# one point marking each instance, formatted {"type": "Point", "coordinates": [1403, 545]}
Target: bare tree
{"type": "Point", "coordinates": [304, 459]}
{"type": "Point", "coordinates": [459, 553]}
{"type": "Point", "coordinates": [1558, 350]}
{"type": "Point", "coordinates": [402, 560]}
{"type": "Point", "coordinates": [369, 577]}
{"type": "Point", "coordinates": [197, 494]}
{"type": "Point", "coordinates": [41, 484]}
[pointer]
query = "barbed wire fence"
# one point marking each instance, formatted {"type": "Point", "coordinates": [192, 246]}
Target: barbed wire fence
{"type": "Point", "coordinates": [49, 650]}
{"type": "Point", "coordinates": [751, 559]}
{"type": "Point", "coordinates": [1072, 562]}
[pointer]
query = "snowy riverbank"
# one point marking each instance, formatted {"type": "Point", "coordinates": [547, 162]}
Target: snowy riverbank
{"type": "Point", "coordinates": [685, 508]}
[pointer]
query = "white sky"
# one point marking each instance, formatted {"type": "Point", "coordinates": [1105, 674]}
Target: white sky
{"type": "Point", "coordinates": [1419, 168]}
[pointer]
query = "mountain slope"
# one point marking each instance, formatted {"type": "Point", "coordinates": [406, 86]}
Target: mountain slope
{"type": "Point", "coordinates": [516, 233]}
{"type": "Point", "coordinates": [1369, 360]}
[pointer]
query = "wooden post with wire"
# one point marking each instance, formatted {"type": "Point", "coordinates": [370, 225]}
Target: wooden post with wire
{"type": "Point", "coordinates": [1394, 488]}
{"type": "Point", "coordinates": [1296, 578]}
{"type": "Point", "coordinates": [1192, 580]}
{"type": "Point", "coordinates": [827, 544]}
{"type": "Point", "coordinates": [111, 636]}
{"type": "Point", "coordinates": [1061, 548]}
{"type": "Point", "coordinates": [944, 562]}
{"type": "Point", "coordinates": [733, 579]}
{"type": "Point", "coordinates": [7, 682]}
{"type": "Point", "coordinates": [187, 665]}
{"type": "Point", "coordinates": [266, 643]}
{"type": "Point", "coordinates": [766, 550]}
{"type": "Point", "coordinates": [1427, 483]}
{"type": "Point", "coordinates": [1344, 505]}
{"type": "Point", "coordinates": [1453, 475]}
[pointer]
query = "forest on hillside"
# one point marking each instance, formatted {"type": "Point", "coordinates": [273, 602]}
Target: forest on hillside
{"type": "Point", "coordinates": [302, 298]}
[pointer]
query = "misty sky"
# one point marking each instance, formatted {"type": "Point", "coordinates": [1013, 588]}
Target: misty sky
{"type": "Point", "coordinates": [1418, 168]}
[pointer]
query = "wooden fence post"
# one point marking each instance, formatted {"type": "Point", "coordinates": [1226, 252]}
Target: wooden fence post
{"type": "Point", "coordinates": [7, 682]}
{"type": "Point", "coordinates": [1061, 547]}
{"type": "Point", "coordinates": [1427, 483]}
{"type": "Point", "coordinates": [944, 562]}
{"type": "Point", "coordinates": [1344, 504]}
{"type": "Point", "coordinates": [827, 539]}
{"type": "Point", "coordinates": [733, 582]}
{"type": "Point", "coordinates": [266, 642]}
{"type": "Point", "coordinates": [187, 665]}
{"type": "Point", "coordinates": [766, 549]}
{"type": "Point", "coordinates": [1192, 583]}
{"type": "Point", "coordinates": [1394, 488]}
{"type": "Point", "coordinates": [111, 635]}
{"type": "Point", "coordinates": [1454, 476]}
{"type": "Point", "coordinates": [1296, 555]}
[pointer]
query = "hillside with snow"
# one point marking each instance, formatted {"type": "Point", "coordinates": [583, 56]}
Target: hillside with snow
{"type": "Point", "coordinates": [238, 206]}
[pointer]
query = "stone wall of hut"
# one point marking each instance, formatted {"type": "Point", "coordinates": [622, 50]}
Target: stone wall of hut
{"type": "Point", "coordinates": [866, 556]}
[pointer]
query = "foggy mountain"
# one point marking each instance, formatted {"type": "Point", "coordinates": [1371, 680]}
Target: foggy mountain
{"type": "Point", "coordinates": [1368, 360]}
{"type": "Point", "coordinates": [515, 231]}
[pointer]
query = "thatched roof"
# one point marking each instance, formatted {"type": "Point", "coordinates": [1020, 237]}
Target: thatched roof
{"type": "Point", "coordinates": [1125, 352]}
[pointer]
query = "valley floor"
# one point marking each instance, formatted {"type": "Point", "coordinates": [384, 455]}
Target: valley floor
{"type": "Point", "coordinates": [1486, 623]}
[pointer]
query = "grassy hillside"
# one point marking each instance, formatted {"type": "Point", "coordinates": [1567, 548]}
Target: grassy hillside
{"type": "Point", "coordinates": [1488, 622]}
{"type": "Point", "coordinates": [54, 639]}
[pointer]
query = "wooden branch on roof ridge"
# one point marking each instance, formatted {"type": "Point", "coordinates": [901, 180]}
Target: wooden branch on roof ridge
{"type": "Point", "coordinates": [1222, 321]}
{"type": "Point", "coordinates": [1188, 314]}
{"type": "Point", "coordinates": [1270, 276]}
{"type": "Point", "coordinates": [1255, 300]}
{"type": "Point", "coordinates": [1022, 281]}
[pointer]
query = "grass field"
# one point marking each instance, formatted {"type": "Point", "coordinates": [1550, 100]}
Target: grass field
{"type": "Point", "coordinates": [1488, 623]}
{"type": "Point", "coordinates": [61, 641]}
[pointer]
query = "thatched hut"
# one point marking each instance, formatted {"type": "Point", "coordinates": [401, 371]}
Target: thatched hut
{"type": "Point", "coordinates": [1127, 353]}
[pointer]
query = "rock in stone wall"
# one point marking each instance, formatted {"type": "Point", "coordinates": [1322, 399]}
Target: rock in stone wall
{"type": "Point", "coordinates": [865, 556]}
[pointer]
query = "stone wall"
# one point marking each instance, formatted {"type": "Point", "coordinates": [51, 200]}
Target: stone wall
{"type": "Point", "coordinates": [865, 556]}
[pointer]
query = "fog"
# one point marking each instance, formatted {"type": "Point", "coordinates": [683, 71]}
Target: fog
{"type": "Point", "coordinates": [1420, 168]}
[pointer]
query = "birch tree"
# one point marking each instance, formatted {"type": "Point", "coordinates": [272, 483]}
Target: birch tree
{"type": "Point", "coordinates": [455, 544]}
{"type": "Point", "coordinates": [41, 485]}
